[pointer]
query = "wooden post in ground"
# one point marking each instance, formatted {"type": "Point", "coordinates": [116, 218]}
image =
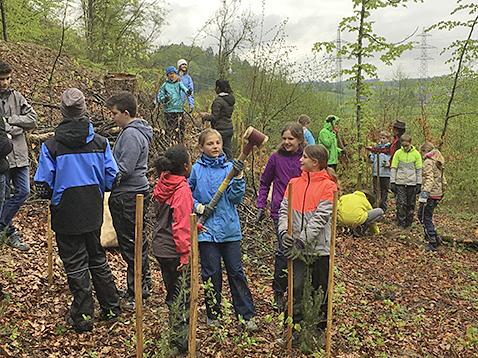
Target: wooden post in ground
{"type": "Point", "coordinates": [330, 290]}
{"type": "Point", "coordinates": [138, 287]}
{"type": "Point", "coordinates": [379, 191]}
{"type": "Point", "coordinates": [49, 239]}
{"type": "Point", "coordinates": [290, 275]}
{"type": "Point", "coordinates": [194, 295]}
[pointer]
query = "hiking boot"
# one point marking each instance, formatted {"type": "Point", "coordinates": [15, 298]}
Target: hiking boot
{"type": "Point", "coordinates": [80, 327]}
{"type": "Point", "coordinates": [431, 247]}
{"type": "Point", "coordinates": [110, 315]}
{"type": "Point", "coordinates": [15, 241]}
{"type": "Point", "coordinates": [251, 325]}
{"type": "Point", "coordinates": [130, 304]}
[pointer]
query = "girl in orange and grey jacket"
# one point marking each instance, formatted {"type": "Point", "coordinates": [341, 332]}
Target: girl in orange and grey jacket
{"type": "Point", "coordinates": [309, 245]}
{"type": "Point", "coordinates": [171, 237]}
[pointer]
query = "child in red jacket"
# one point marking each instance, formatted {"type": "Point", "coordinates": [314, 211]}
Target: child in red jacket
{"type": "Point", "coordinates": [171, 237]}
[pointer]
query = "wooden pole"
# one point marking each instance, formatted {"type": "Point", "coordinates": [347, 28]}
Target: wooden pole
{"type": "Point", "coordinates": [49, 239]}
{"type": "Point", "coordinates": [290, 275]}
{"type": "Point", "coordinates": [138, 287]}
{"type": "Point", "coordinates": [4, 20]}
{"type": "Point", "coordinates": [330, 290]}
{"type": "Point", "coordinates": [193, 304]}
{"type": "Point", "coordinates": [378, 181]}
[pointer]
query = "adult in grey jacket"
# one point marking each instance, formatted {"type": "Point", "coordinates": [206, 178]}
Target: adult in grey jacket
{"type": "Point", "coordinates": [19, 117]}
{"type": "Point", "coordinates": [221, 115]}
{"type": "Point", "coordinates": [131, 154]}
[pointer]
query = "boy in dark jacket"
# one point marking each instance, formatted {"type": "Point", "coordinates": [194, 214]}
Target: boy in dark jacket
{"type": "Point", "coordinates": [74, 170]}
{"type": "Point", "coordinates": [131, 154]}
{"type": "Point", "coordinates": [19, 117]}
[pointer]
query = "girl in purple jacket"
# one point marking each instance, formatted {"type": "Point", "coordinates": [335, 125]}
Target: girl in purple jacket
{"type": "Point", "coordinates": [283, 165]}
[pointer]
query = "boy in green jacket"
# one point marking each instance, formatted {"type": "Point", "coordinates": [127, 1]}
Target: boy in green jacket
{"type": "Point", "coordinates": [406, 180]}
{"type": "Point", "coordinates": [328, 138]}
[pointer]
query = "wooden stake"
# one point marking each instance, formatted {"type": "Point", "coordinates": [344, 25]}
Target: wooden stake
{"type": "Point", "coordinates": [330, 290]}
{"type": "Point", "coordinates": [49, 239]}
{"type": "Point", "coordinates": [138, 287]}
{"type": "Point", "coordinates": [378, 181]}
{"type": "Point", "coordinates": [290, 275]}
{"type": "Point", "coordinates": [193, 304]}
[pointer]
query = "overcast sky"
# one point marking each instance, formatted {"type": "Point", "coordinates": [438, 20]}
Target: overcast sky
{"type": "Point", "coordinates": [310, 21]}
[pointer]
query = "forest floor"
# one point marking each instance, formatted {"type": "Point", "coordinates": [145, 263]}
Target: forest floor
{"type": "Point", "coordinates": [392, 299]}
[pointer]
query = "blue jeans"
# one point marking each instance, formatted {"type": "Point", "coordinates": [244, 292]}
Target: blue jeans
{"type": "Point", "coordinates": [3, 189]}
{"type": "Point", "coordinates": [211, 254]}
{"type": "Point", "coordinates": [20, 178]}
{"type": "Point", "coordinates": [425, 216]}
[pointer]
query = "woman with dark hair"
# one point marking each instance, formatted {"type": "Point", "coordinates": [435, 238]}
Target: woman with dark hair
{"type": "Point", "coordinates": [221, 115]}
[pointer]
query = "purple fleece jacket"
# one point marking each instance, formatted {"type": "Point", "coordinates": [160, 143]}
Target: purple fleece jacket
{"type": "Point", "coordinates": [279, 170]}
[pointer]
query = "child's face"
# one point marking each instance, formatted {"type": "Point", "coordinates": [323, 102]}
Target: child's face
{"type": "Point", "coordinates": [5, 81]}
{"type": "Point", "coordinates": [383, 139]}
{"type": "Point", "coordinates": [212, 146]}
{"type": "Point", "coordinates": [406, 145]}
{"type": "Point", "coordinates": [289, 142]}
{"type": "Point", "coordinates": [121, 118]}
{"type": "Point", "coordinates": [171, 76]}
{"type": "Point", "coordinates": [187, 168]}
{"type": "Point", "coordinates": [308, 164]}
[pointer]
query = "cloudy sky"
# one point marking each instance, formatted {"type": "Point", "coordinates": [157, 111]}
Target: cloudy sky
{"type": "Point", "coordinates": [310, 21]}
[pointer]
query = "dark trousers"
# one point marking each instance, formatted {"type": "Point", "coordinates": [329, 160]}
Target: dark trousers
{"type": "Point", "coordinates": [177, 284]}
{"type": "Point", "coordinates": [279, 283]}
{"type": "Point", "coordinates": [318, 272]}
{"type": "Point", "coordinates": [227, 135]}
{"type": "Point", "coordinates": [123, 212]}
{"type": "Point", "coordinates": [425, 216]}
{"type": "Point", "coordinates": [384, 185]}
{"type": "Point", "coordinates": [230, 252]}
{"type": "Point", "coordinates": [84, 257]}
{"type": "Point", "coordinates": [406, 198]}
{"type": "Point", "coordinates": [175, 126]}
{"type": "Point", "coordinates": [20, 178]}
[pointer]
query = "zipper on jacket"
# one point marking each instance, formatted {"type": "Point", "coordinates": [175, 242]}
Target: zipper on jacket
{"type": "Point", "coordinates": [303, 202]}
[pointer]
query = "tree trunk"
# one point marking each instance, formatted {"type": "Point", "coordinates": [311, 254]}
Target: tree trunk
{"type": "Point", "coordinates": [455, 82]}
{"type": "Point", "coordinates": [358, 95]}
{"type": "Point", "coordinates": [4, 20]}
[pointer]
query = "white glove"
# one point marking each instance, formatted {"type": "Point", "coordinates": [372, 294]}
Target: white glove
{"type": "Point", "coordinates": [200, 208]}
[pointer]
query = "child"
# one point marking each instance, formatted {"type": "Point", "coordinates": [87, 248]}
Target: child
{"type": "Point", "coordinates": [304, 121]}
{"type": "Point", "coordinates": [171, 237]}
{"type": "Point", "coordinates": [309, 245]}
{"type": "Point", "coordinates": [328, 138]}
{"type": "Point", "coordinates": [131, 153]}
{"type": "Point", "coordinates": [170, 94]}
{"type": "Point", "coordinates": [221, 115]}
{"type": "Point", "coordinates": [222, 239]}
{"type": "Point", "coordinates": [283, 165]}
{"type": "Point", "coordinates": [19, 118]}
{"type": "Point", "coordinates": [433, 188]}
{"type": "Point", "coordinates": [406, 180]}
{"type": "Point", "coordinates": [384, 168]}
{"type": "Point", "coordinates": [75, 168]}
{"type": "Point", "coordinates": [182, 66]}
{"type": "Point", "coordinates": [355, 211]}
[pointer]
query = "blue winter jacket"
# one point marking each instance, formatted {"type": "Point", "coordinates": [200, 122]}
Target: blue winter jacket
{"type": "Point", "coordinates": [188, 82]}
{"type": "Point", "coordinates": [207, 175]}
{"type": "Point", "coordinates": [170, 94]}
{"type": "Point", "coordinates": [74, 170]}
{"type": "Point", "coordinates": [384, 160]}
{"type": "Point", "coordinates": [309, 138]}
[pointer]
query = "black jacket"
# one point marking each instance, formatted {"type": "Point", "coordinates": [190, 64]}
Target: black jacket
{"type": "Point", "coordinates": [221, 112]}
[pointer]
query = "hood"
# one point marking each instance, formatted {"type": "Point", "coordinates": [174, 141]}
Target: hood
{"type": "Point", "coordinates": [316, 176]}
{"type": "Point", "coordinates": [208, 161]}
{"type": "Point", "coordinates": [142, 126]}
{"type": "Point", "coordinates": [167, 185]}
{"type": "Point", "coordinates": [436, 155]}
{"type": "Point", "coordinates": [229, 98]}
{"type": "Point", "coordinates": [328, 126]}
{"type": "Point", "coordinates": [74, 133]}
{"type": "Point", "coordinates": [412, 148]}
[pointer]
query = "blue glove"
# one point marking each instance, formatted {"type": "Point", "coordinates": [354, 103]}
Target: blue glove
{"type": "Point", "coordinates": [423, 198]}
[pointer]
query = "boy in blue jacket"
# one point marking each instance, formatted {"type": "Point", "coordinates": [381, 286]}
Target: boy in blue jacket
{"type": "Point", "coordinates": [75, 168]}
{"type": "Point", "coordinates": [222, 238]}
{"type": "Point", "coordinates": [170, 95]}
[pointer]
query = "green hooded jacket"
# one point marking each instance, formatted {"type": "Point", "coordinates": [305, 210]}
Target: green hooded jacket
{"type": "Point", "coordinates": [328, 139]}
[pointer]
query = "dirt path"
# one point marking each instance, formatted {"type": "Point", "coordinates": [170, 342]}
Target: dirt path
{"type": "Point", "coordinates": [391, 299]}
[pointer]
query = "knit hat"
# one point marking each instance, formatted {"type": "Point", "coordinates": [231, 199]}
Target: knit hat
{"type": "Point", "coordinates": [171, 69]}
{"type": "Point", "coordinates": [73, 103]}
{"type": "Point", "coordinates": [399, 124]}
{"type": "Point", "coordinates": [181, 62]}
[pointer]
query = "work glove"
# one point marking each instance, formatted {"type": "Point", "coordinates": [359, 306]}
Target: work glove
{"type": "Point", "coordinates": [238, 166]}
{"type": "Point", "coordinates": [43, 189]}
{"type": "Point", "coordinates": [393, 188]}
{"type": "Point", "coordinates": [423, 198]}
{"type": "Point", "coordinates": [418, 189]}
{"type": "Point", "coordinates": [204, 210]}
{"type": "Point", "coordinates": [292, 248]}
{"type": "Point", "coordinates": [189, 92]}
{"type": "Point", "coordinates": [260, 215]}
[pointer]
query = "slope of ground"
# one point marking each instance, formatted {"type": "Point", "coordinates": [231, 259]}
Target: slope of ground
{"type": "Point", "coordinates": [391, 299]}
